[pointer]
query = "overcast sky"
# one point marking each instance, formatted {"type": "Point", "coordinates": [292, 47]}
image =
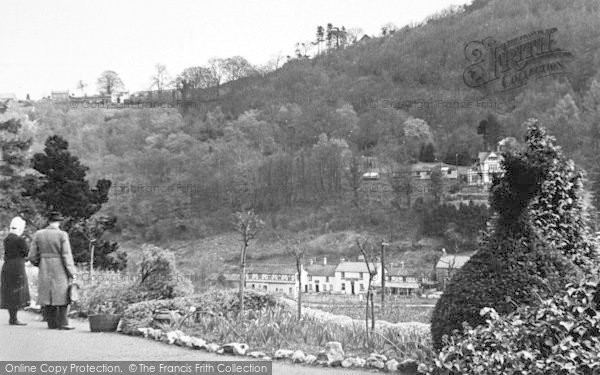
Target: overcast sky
{"type": "Point", "coordinates": [51, 45]}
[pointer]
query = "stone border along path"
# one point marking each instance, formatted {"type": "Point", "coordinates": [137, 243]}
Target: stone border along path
{"type": "Point", "coordinates": [36, 342]}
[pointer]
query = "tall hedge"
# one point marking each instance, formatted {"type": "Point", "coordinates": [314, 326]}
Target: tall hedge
{"type": "Point", "coordinates": [538, 240]}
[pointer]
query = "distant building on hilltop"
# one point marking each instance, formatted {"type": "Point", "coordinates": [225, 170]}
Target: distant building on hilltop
{"type": "Point", "coordinates": [59, 96]}
{"type": "Point", "coordinates": [6, 96]}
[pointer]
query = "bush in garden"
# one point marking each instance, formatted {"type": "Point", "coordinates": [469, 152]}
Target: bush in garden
{"type": "Point", "coordinates": [560, 336]}
{"type": "Point", "coordinates": [107, 291]}
{"type": "Point", "coordinates": [159, 277]}
{"type": "Point", "coordinates": [538, 244]}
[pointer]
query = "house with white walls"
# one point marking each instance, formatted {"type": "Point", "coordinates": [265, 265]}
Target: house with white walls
{"type": "Point", "coordinates": [400, 280]}
{"type": "Point", "coordinates": [352, 277]}
{"type": "Point", "coordinates": [274, 278]}
{"type": "Point", "coordinates": [319, 277]}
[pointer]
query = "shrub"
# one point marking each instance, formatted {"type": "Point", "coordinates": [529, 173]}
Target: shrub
{"type": "Point", "coordinates": [561, 336]}
{"type": "Point", "coordinates": [159, 277]}
{"type": "Point", "coordinates": [527, 253]}
{"type": "Point", "coordinates": [108, 292]}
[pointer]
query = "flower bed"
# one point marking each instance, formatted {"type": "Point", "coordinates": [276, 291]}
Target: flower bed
{"type": "Point", "coordinates": [269, 327]}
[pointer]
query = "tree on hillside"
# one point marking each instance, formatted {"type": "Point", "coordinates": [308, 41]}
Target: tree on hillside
{"type": "Point", "coordinates": [320, 38]}
{"type": "Point", "coordinates": [160, 80]}
{"type": "Point", "coordinates": [354, 179]}
{"type": "Point", "coordinates": [329, 37]}
{"type": "Point", "coordinates": [237, 67]}
{"type": "Point", "coordinates": [109, 82]}
{"type": "Point", "coordinates": [401, 181]}
{"type": "Point", "coordinates": [427, 153]}
{"type": "Point", "coordinates": [217, 70]}
{"type": "Point", "coordinates": [437, 185]}
{"type": "Point", "coordinates": [591, 106]}
{"type": "Point", "coordinates": [416, 133]}
{"type": "Point", "coordinates": [491, 131]}
{"type": "Point", "coordinates": [388, 29]}
{"type": "Point", "coordinates": [248, 225]}
{"type": "Point", "coordinates": [193, 78]}
{"type": "Point", "coordinates": [15, 144]}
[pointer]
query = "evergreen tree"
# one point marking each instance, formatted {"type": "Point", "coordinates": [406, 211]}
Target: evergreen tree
{"type": "Point", "coordinates": [491, 130]}
{"type": "Point", "coordinates": [539, 241]}
{"type": "Point", "coordinates": [427, 153]}
{"type": "Point", "coordinates": [63, 186]}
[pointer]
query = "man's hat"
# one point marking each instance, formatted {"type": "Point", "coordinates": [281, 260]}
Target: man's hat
{"type": "Point", "coordinates": [55, 216]}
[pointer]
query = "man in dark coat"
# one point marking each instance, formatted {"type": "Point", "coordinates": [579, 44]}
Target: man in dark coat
{"type": "Point", "coordinates": [14, 289]}
{"type": "Point", "coordinates": [51, 251]}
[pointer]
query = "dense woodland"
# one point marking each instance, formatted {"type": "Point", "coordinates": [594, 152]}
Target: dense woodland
{"type": "Point", "coordinates": [288, 140]}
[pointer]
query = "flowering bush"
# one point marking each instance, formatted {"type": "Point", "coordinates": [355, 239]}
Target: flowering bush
{"type": "Point", "coordinates": [560, 336]}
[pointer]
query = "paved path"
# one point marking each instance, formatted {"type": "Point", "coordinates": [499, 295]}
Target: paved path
{"type": "Point", "coordinates": [36, 342]}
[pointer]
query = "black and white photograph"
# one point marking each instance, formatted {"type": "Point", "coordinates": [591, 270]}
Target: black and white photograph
{"type": "Point", "coordinates": [293, 187]}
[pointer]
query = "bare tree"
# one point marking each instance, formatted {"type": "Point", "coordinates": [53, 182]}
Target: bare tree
{"type": "Point", "coordinates": [354, 34]}
{"type": "Point", "coordinates": [160, 79]}
{"type": "Point", "coordinates": [217, 70]}
{"type": "Point", "coordinates": [248, 225]}
{"type": "Point", "coordinates": [108, 82]}
{"type": "Point", "coordinates": [295, 249]}
{"type": "Point", "coordinates": [383, 245]}
{"type": "Point", "coordinates": [81, 86]}
{"type": "Point", "coordinates": [369, 258]}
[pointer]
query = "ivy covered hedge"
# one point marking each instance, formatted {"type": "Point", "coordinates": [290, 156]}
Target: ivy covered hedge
{"type": "Point", "coordinates": [560, 336]}
{"type": "Point", "coordinates": [539, 240]}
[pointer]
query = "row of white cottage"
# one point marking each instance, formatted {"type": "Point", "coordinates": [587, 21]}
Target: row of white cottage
{"type": "Point", "coordinates": [347, 277]}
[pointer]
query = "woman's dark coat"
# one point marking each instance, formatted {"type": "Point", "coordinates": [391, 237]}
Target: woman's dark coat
{"type": "Point", "coordinates": [14, 288]}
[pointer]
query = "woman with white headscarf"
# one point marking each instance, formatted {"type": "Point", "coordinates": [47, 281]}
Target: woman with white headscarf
{"type": "Point", "coordinates": [14, 289]}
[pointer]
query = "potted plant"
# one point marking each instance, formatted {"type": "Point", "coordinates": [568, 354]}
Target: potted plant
{"type": "Point", "coordinates": [105, 307]}
{"type": "Point", "coordinates": [105, 317]}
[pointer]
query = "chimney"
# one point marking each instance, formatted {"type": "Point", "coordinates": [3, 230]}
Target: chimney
{"type": "Point", "coordinates": [342, 260]}
{"type": "Point", "coordinates": [324, 261]}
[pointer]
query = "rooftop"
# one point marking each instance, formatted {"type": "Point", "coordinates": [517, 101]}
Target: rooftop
{"type": "Point", "coordinates": [273, 269]}
{"type": "Point", "coordinates": [353, 267]}
{"type": "Point", "coordinates": [321, 269]}
{"type": "Point", "coordinates": [452, 261]}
